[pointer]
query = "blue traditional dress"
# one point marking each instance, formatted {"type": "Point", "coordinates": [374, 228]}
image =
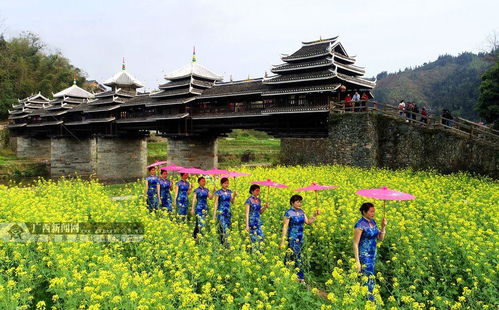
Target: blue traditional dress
{"type": "Point", "coordinates": [224, 214]}
{"type": "Point", "coordinates": [164, 192]}
{"type": "Point", "coordinates": [255, 223]}
{"type": "Point", "coordinates": [367, 249]}
{"type": "Point", "coordinates": [182, 198]}
{"type": "Point", "coordinates": [152, 193]}
{"type": "Point", "coordinates": [295, 237]}
{"type": "Point", "coordinates": [201, 208]}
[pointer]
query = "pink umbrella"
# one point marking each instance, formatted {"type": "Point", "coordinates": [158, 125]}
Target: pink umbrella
{"type": "Point", "coordinates": [269, 183]}
{"type": "Point", "coordinates": [384, 193]}
{"type": "Point", "coordinates": [192, 171]}
{"type": "Point", "coordinates": [157, 163]}
{"type": "Point", "coordinates": [316, 187]}
{"type": "Point", "coordinates": [215, 171]}
{"type": "Point", "coordinates": [172, 167]}
{"type": "Point", "coordinates": [234, 174]}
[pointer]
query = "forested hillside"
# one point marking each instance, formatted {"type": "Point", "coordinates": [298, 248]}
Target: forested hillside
{"type": "Point", "coordinates": [451, 82]}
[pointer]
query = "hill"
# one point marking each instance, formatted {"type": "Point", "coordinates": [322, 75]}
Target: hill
{"type": "Point", "coordinates": [451, 82]}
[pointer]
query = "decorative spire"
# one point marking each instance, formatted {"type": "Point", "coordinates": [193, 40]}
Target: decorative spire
{"type": "Point", "coordinates": [231, 78]}
{"type": "Point", "coordinates": [123, 64]}
{"type": "Point", "coordinates": [193, 54]}
{"type": "Point", "coordinates": [74, 78]}
{"type": "Point", "coordinates": [266, 75]}
{"type": "Point", "coordinates": [248, 77]}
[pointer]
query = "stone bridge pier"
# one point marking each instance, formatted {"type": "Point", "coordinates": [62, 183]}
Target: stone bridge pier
{"type": "Point", "coordinates": [32, 148]}
{"type": "Point", "coordinates": [108, 159]}
{"type": "Point", "coordinates": [201, 152]}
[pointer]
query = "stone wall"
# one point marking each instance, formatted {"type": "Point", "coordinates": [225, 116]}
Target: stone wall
{"type": "Point", "coordinates": [194, 152]}
{"type": "Point", "coordinates": [120, 159]}
{"type": "Point", "coordinates": [367, 140]}
{"type": "Point", "coordinates": [70, 156]}
{"type": "Point", "coordinates": [32, 148]}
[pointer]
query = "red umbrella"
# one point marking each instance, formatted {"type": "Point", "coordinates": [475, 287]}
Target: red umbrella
{"type": "Point", "coordinates": [270, 183]}
{"type": "Point", "coordinates": [384, 193]}
{"type": "Point", "coordinates": [316, 187]}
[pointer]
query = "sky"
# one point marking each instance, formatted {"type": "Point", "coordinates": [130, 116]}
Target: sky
{"type": "Point", "coordinates": [245, 38]}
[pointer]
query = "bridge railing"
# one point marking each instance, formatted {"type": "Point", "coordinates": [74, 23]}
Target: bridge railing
{"type": "Point", "coordinates": [457, 125]}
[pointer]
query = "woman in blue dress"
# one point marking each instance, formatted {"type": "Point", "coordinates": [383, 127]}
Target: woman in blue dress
{"type": "Point", "coordinates": [152, 190]}
{"type": "Point", "coordinates": [200, 206]}
{"type": "Point", "coordinates": [292, 231]}
{"type": "Point", "coordinates": [221, 211]}
{"type": "Point", "coordinates": [253, 210]}
{"type": "Point", "coordinates": [182, 191]}
{"type": "Point", "coordinates": [365, 235]}
{"type": "Point", "coordinates": [165, 186]}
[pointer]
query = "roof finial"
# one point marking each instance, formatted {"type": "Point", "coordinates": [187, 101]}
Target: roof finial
{"type": "Point", "coordinates": [194, 54]}
{"type": "Point", "coordinates": [74, 78]}
{"type": "Point", "coordinates": [266, 75]}
{"type": "Point", "coordinates": [123, 64]}
{"type": "Point", "coordinates": [248, 76]}
{"type": "Point", "coordinates": [231, 78]}
{"type": "Point", "coordinates": [320, 38]}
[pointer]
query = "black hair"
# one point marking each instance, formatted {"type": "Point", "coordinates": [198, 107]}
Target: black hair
{"type": "Point", "coordinates": [365, 207]}
{"type": "Point", "coordinates": [150, 168]}
{"type": "Point", "coordinates": [295, 198]}
{"type": "Point", "coordinates": [253, 187]}
{"type": "Point", "coordinates": [200, 178]}
{"type": "Point", "coordinates": [164, 171]}
{"type": "Point", "coordinates": [182, 174]}
{"type": "Point", "coordinates": [223, 180]}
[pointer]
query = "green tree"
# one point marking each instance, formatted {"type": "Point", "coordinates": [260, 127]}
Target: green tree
{"type": "Point", "coordinates": [488, 101]}
{"type": "Point", "coordinates": [27, 68]}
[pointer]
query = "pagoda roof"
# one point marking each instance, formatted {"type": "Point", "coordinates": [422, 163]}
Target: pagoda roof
{"type": "Point", "coordinates": [50, 123]}
{"type": "Point", "coordinates": [320, 41]}
{"type": "Point", "coordinates": [177, 92]}
{"type": "Point", "coordinates": [140, 99]}
{"type": "Point", "coordinates": [35, 98]}
{"type": "Point", "coordinates": [193, 69]}
{"type": "Point", "coordinates": [324, 62]}
{"type": "Point", "coordinates": [91, 121]}
{"type": "Point", "coordinates": [172, 101]}
{"type": "Point", "coordinates": [309, 51]}
{"type": "Point", "coordinates": [356, 80]}
{"type": "Point", "coordinates": [300, 90]}
{"type": "Point", "coordinates": [16, 125]}
{"type": "Point", "coordinates": [94, 109]}
{"type": "Point", "coordinates": [123, 78]}
{"type": "Point", "coordinates": [185, 82]}
{"type": "Point", "coordinates": [301, 77]}
{"type": "Point", "coordinates": [106, 100]}
{"type": "Point", "coordinates": [236, 88]}
{"type": "Point", "coordinates": [73, 91]}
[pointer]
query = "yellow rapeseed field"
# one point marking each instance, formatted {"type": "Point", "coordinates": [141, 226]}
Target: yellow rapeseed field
{"type": "Point", "coordinates": [440, 252]}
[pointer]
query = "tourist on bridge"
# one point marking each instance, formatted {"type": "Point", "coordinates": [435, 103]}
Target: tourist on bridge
{"type": "Point", "coordinates": [348, 103]}
{"type": "Point", "coordinates": [424, 115]}
{"type": "Point", "coordinates": [365, 235]}
{"type": "Point", "coordinates": [292, 232]}
{"type": "Point", "coordinates": [402, 108]}
{"type": "Point", "coordinates": [221, 211]}
{"type": "Point", "coordinates": [200, 206]}
{"type": "Point", "coordinates": [182, 191]}
{"type": "Point", "coordinates": [447, 118]}
{"type": "Point", "coordinates": [152, 190]}
{"type": "Point", "coordinates": [253, 210]}
{"type": "Point", "coordinates": [363, 102]}
{"type": "Point", "coordinates": [165, 186]}
{"type": "Point", "coordinates": [356, 101]}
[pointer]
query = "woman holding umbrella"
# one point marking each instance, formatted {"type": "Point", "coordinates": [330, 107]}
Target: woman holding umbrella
{"type": "Point", "coordinates": [165, 188]}
{"type": "Point", "coordinates": [365, 235]}
{"type": "Point", "coordinates": [200, 206]}
{"type": "Point", "coordinates": [292, 231]}
{"type": "Point", "coordinates": [182, 191]}
{"type": "Point", "coordinates": [253, 210]}
{"type": "Point", "coordinates": [152, 189]}
{"type": "Point", "coordinates": [221, 211]}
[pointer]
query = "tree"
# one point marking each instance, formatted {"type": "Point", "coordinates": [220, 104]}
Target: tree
{"type": "Point", "coordinates": [26, 69]}
{"type": "Point", "coordinates": [488, 101]}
